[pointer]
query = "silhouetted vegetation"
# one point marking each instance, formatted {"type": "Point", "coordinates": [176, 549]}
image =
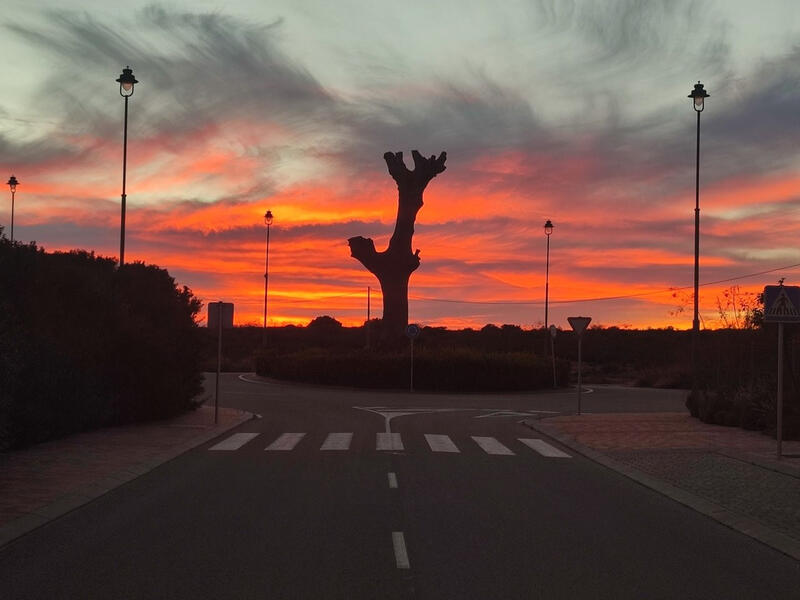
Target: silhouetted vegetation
{"type": "Point", "coordinates": [84, 344]}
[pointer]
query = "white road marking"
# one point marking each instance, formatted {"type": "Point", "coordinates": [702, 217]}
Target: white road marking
{"type": "Point", "coordinates": [393, 480]}
{"type": "Point", "coordinates": [491, 446]}
{"type": "Point", "coordinates": [516, 413]}
{"type": "Point", "coordinates": [389, 441]}
{"type": "Point", "coordinates": [400, 553]}
{"type": "Point", "coordinates": [544, 448]}
{"type": "Point", "coordinates": [236, 441]}
{"type": "Point", "coordinates": [286, 441]}
{"type": "Point", "coordinates": [337, 441]}
{"type": "Point", "coordinates": [440, 443]}
{"type": "Point", "coordinates": [390, 413]}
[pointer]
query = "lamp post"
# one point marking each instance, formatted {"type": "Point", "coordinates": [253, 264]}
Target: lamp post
{"type": "Point", "coordinates": [12, 184]}
{"type": "Point", "coordinates": [268, 222]}
{"type": "Point", "coordinates": [548, 229]}
{"type": "Point", "coordinates": [126, 82]}
{"type": "Point", "coordinates": [698, 96]}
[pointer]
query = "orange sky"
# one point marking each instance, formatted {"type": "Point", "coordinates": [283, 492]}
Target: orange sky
{"type": "Point", "coordinates": [232, 117]}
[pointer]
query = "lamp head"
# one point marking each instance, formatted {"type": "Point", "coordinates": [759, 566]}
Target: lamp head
{"type": "Point", "coordinates": [12, 183]}
{"type": "Point", "coordinates": [699, 95]}
{"type": "Point", "coordinates": [268, 218]}
{"type": "Point", "coordinates": [126, 81]}
{"type": "Point", "coordinates": [548, 227]}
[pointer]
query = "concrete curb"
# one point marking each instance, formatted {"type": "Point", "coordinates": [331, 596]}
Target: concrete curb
{"type": "Point", "coordinates": [79, 497]}
{"type": "Point", "coordinates": [741, 523]}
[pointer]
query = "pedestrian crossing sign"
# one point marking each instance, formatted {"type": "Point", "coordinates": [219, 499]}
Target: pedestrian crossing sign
{"type": "Point", "coordinates": [782, 304]}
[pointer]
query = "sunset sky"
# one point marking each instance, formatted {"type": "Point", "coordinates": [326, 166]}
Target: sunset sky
{"type": "Point", "coordinates": [574, 111]}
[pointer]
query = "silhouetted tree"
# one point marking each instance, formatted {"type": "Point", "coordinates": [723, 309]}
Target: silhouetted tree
{"type": "Point", "coordinates": [394, 266]}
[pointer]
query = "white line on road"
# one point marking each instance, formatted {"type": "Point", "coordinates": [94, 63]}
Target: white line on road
{"type": "Point", "coordinates": [440, 443]}
{"type": "Point", "coordinates": [544, 448]}
{"type": "Point", "coordinates": [337, 441]}
{"type": "Point", "coordinates": [389, 441]}
{"type": "Point", "coordinates": [286, 441]}
{"type": "Point", "coordinates": [236, 441]}
{"type": "Point", "coordinates": [400, 553]}
{"type": "Point", "coordinates": [492, 446]}
{"type": "Point", "coordinates": [393, 481]}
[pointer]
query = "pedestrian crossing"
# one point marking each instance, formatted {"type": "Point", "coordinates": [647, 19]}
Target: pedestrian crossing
{"type": "Point", "coordinates": [392, 442]}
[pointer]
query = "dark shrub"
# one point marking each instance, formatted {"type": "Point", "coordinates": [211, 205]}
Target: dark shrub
{"type": "Point", "coordinates": [84, 344]}
{"type": "Point", "coordinates": [434, 370]}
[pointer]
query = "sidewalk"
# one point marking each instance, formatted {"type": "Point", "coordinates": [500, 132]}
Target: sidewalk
{"type": "Point", "coordinates": [43, 482]}
{"type": "Point", "coordinates": [727, 473]}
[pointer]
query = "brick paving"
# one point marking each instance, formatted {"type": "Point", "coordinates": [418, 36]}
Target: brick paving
{"type": "Point", "coordinates": [730, 474]}
{"type": "Point", "coordinates": [40, 482]}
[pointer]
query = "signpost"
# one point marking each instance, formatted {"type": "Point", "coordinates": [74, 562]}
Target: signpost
{"type": "Point", "coordinates": [579, 325]}
{"type": "Point", "coordinates": [781, 305]}
{"type": "Point", "coordinates": [221, 315]}
{"type": "Point", "coordinates": [412, 331]}
{"type": "Point", "coordinates": [553, 332]}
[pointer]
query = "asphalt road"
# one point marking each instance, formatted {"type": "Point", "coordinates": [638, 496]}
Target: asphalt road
{"type": "Point", "coordinates": [303, 522]}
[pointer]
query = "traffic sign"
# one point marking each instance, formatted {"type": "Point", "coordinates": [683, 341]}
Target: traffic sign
{"type": "Point", "coordinates": [578, 324]}
{"type": "Point", "coordinates": [412, 331]}
{"type": "Point", "coordinates": [553, 331]}
{"type": "Point", "coordinates": [782, 304]}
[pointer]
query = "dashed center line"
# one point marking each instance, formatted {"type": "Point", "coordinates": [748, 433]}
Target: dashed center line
{"type": "Point", "coordinates": [400, 553]}
{"type": "Point", "coordinates": [393, 480]}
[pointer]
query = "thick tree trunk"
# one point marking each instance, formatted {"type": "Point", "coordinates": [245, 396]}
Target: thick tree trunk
{"type": "Point", "coordinates": [393, 266]}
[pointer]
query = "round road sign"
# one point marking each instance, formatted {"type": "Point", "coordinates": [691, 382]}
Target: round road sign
{"type": "Point", "coordinates": [412, 330]}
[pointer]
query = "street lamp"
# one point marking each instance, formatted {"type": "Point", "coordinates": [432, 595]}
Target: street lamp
{"type": "Point", "coordinates": [126, 82]}
{"type": "Point", "coordinates": [548, 229]}
{"type": "Point", "coordinates": [12, 184]}
{"type": "Point", "coordinates": [698, 96]}
{"type": "Point", "coordinates": [268, 223]}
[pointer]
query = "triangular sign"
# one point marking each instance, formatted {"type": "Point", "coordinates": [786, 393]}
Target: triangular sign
{"type": "Point", "coordinates": [578, 324]}
{"type": "Point", "coordinates": [782, 306]}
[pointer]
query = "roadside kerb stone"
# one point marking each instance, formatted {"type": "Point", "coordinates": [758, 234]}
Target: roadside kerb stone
{"type": "Point", "coordinates": [741, 523]}
{"type": "Point", "coordinates": [34, 516]}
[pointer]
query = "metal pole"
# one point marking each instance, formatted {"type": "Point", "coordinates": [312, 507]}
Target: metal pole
{"type": "Point", "coordinates": [553, 355]}
{"type": "Point", "coordinates": [779, 403]}
{"type": "Point", "coordinates": [412, 364]}
{"type": "Point", "coordinates": [696, 318]}
{"type": "Point", "coordinates": [547, 282]}
{"type": "Point", "coordinates": [366, 325]}
{"type": "Point", "coordinates": [219, 360]}
{"type": "Point", "coordinates": [124, 196]}
{"type": "Point", "coordinates": [266, 287]}
{"type": "Point", "coordinates": [580, 382]}
{"type": "Point", "coordinates": [12, 217]}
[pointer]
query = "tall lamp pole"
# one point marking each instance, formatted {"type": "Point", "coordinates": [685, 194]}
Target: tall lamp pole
{"type": "Point", "coordinates": [548, 229]}
{"type": "Point", "coordinates": [126, 82]}
{"type": "Point", "coordinates": [12, 184]}
{"type": "Point", "coordinates": [268, 222]}
{"type": "Point", "coordinates": [698, 96]}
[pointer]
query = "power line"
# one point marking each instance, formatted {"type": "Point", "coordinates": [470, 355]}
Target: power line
{"type": "Point", "coordinates": [601, 299]}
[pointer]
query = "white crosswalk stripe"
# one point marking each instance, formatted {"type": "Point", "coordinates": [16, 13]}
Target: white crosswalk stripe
{"type": "Point", "coordinates": [544, 448]}
{"type": "Point", "coordinates": [234, 442]}
{"type": "Point", "coordinates": [337, 441]}
{"type": "Point", "coordinates": [342, 442]}
{"type": "Point", "coordinates": [286, 441]}
{"type": "Point", "coordinates": [389, 441]}
{"type": "Point", "coordinates": [491, 446]}
{"type": "Point", "coordinates": [440, 443]}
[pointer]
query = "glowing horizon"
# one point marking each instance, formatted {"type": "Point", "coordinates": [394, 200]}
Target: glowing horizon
{"type": "Point", "coordinates": [255, 108]}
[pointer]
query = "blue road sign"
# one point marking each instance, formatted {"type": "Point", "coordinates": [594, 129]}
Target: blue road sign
{"type": "Point", "coordinates": [782, 304]}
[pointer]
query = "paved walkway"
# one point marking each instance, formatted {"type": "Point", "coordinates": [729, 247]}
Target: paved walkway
{"type": "Point", "coordinates": [43, 482]}
{"type": "Point", "coordinates": [727, 473]}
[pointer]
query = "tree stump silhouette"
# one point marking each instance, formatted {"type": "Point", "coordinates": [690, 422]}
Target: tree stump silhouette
{"type": "Point", "coordinates": [393, 266]}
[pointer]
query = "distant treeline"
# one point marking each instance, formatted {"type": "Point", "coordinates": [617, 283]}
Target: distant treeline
{"type": "Point", "coordinates": [85, 344]}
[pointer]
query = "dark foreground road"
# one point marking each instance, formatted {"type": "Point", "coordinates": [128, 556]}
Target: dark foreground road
{"type": "Point", "coordinates": [461, 501]}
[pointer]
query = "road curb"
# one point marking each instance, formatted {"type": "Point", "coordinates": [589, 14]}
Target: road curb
{"type": "Point", "coordinates": [81, 496]}
{"type": "Point", "coordinates": [738, 522]}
